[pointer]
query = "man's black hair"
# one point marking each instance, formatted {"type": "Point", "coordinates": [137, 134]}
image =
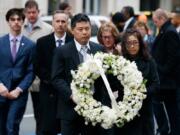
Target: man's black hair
{"type": "Point", "coordinates": [15, 11]}
{"type": "Point", "coordinates": [79, 18]}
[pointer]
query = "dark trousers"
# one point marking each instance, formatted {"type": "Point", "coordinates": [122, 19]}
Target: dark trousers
{"type": "Point", "coordinates": [36, 108]}
{"type": "Point", "coordinates": [11, 114]}
{"type": "Point", "coordinates": [102, 131]}
{"type": "Point", "coordinates": [178, 110]}
{"type": "Point", "coordinates": [50, 125]}
{"type": "Point", "coordinates": [171, 107]}
{"type": "Point", "coordinates": [170, 101]}
{"type": "Point", "coordinates": [77, 127]}
{"type": "Point", "coordinates": [161, 117]}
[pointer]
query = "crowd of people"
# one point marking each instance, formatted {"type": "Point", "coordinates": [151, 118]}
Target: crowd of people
{"type": "Point", "coordinates": [37, 58]}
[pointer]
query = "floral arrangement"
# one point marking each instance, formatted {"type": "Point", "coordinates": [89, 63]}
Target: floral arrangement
{"type": "Point", "coordinates": [92, 110]}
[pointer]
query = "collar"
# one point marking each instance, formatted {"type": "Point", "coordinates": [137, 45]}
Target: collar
{"type": "Point", "coordinates": [178, 29]}
{"type": "Point", "coordinates": [11, 37]}
{"type": "Point", "coordinates": [37, 24]}
{"type": "Point", "coordinates": [78, 45]}
{"type": "Point", "coordinates": [62, 38]}
{"type": "Point", "coordinates": [128, 22]}
{"type": "Point", "coordinates": [164, 26]}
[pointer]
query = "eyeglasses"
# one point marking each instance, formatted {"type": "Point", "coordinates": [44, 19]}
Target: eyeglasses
{"type": "Point", "coordinates": [107, 37]}
{"type": "Point", "coordinates": [132, 43]}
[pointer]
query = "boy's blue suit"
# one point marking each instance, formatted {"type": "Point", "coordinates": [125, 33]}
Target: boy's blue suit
{"type": "Point", "coordinates": [18, 73]}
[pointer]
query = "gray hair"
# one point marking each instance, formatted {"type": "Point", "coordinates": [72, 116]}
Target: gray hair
{"type": "Point", "coordinates": [161, 14]}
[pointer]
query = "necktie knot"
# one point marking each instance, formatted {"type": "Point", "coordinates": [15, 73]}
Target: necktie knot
{"type": "Point", "coordinates": [14, 40]}
{"type": "Point", "coordinates": [59, 41]}
{"type": "Point", "coordinates": [83, 49]}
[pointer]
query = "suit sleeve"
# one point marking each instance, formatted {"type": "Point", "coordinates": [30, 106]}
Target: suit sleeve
{"type": "Point", "coordinates": [172, 45]}
{"type": "Point", "coordinates": [59, 78]}
{"type": "Point", "coordinates": [40, 68]}
{"type": "Point", "coordinates": [29, 75]}
{"type": "Point", "coordinates": [153, 79]}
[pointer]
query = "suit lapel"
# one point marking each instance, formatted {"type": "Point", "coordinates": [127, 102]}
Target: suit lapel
{"type": "Point", "coordinates": [74, 53]}
{"type": "Point", "coordinates": [93, 49]}
{"type": "Point", "coordinates": [51, 42]}
{"type": "Point", "coordinates": [21, 47]}
{"type": "Point", "coordinates": [7, 47]}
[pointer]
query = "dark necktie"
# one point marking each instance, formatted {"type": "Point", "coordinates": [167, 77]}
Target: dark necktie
{"type": "Point", "coordinates": [14, 48]}
{"type": "Point", "coordinates": [59, 42]}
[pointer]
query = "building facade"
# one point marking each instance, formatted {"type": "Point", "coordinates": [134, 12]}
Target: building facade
{"type": "Point", "coordinates": [97, 7]}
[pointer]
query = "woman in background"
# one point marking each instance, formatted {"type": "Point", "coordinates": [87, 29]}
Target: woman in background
{"type": "Point", "coordinates": [108, 36]}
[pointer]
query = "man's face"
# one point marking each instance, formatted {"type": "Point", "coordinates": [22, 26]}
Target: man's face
{"type": "Point", "coordinates": [15, 23]}
{"type": "Point", "coordinates": [60, 23]}
{"type": "Point", "coordinates": [32, 14]}
{"type": "Point", "coordinates": [108, 39]}
{"type": "Point", "coordinates": [82, 32]}
{"type": "Point", "coordinates": [175, 19]}
{"type": "Point", "coordinates": [158, 22]}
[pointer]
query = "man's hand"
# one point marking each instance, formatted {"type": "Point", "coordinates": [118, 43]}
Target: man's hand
{"type": "Point", "coordinates": [71, 97]}
{"type": "Point", "coordinates": [14, 93]}
{"type": "Point", "coordinates": [3, 90]}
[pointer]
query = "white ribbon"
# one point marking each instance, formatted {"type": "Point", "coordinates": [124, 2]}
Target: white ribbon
{"type": "Point", "coordinates": [111, 95]}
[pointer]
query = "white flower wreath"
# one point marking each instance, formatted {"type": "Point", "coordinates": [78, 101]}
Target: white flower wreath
{"type": "Point", "coordinates": [92, 110]}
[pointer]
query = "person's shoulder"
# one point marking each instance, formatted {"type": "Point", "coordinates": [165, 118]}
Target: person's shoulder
{"type": "Point", "coordinates": [68, 45]}
{"type": "Point", "coordinates": [4, 36]}
{"type": "Point", "coordinates": [46, 25]}
{"type": "Point", "coordinates": [151, 61]}
{"type": "Point", "coordinates": [99, 47]}
{"type": "Point", "coordinates": [169, 28]}
{"type": "Point", "coordinates": [95, 44]}
{"type": "Point", "coordinates": [46, 37]}
{"type": "Point", "coordinates": [27, 41]}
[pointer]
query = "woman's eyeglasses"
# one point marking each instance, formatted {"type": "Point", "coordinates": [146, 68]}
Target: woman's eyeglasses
{"type": "Point", "coordinates": [132, 43]}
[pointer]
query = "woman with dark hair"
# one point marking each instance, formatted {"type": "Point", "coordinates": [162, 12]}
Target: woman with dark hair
{"type": "Point", "coordinates": [134, 49]}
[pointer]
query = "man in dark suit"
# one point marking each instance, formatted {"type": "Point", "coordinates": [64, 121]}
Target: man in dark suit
{"type": "Point", "coordinates": [165, 51]}
{"type": "Point", "coordinates": [44, 54]}
{"type": "Point", "coordinates": [129, 16]}
{"type": "Point", "coordinates": [16, 73]}
{"type": "Point", "coordinates": [68, 58]}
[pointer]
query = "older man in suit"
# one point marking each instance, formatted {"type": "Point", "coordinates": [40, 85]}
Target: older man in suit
{"type": "Point", "coordinates": [45, 50]}
{"type": "Point", "coordinates": [68, 58]}
{"type": "Point", "coordinates": [166, 52]}
{"type": "Point", "coordinates": [16, 73]}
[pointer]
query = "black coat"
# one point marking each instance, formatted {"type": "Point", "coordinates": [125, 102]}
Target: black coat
{"type": "Point", "coordinates": [43, 63]}
{"type": "Point", "coordinates": [44, 55]}
{"type": "Point", "coordinates": [166, 52]}
{"type": "Point", "coordinates": [66, 58]}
